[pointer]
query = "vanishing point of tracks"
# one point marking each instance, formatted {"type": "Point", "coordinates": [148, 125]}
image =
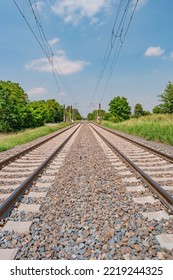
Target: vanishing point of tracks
{"type": "Point", "coordinates": [113, 199]}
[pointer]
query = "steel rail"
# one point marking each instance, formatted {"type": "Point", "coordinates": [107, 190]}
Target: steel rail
{"type": "Point", "coordinates": [156, 152]}
{"type": "Point", "coordinates": [6, 206]}
{"type": "Point", "coordinates": [163, 195]}
{"type": "Point", "coordinates": [19, 154]}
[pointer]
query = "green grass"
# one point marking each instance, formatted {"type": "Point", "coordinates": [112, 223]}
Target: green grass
{"type": "Point", "coordinates": [154, 127]}
{"type": "Point", "coordinates": [10, 140]}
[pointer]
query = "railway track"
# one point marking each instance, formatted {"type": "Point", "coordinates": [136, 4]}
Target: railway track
{"type": "Point", "coordinates": [153, 166]}
{"type": "Point", "coordinates": [89, 202]}
{"type": "Point", "coordinates": [20, 170]}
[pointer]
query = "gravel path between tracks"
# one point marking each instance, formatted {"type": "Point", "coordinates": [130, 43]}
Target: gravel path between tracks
{"type": "Point", "coordinates": [89, 215]}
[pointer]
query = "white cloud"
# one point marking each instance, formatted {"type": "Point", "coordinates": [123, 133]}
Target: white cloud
{"type": "Point", "coordinates": [61, 62]}
{"type": "Point", "coordinates": [74, 10]}
{"type": "Point", "coordinates": [154, 51]}
{"type": "Point", "coordinates": [54, 41]}
{"type": "Point", "coordinates": [37, 91]}
{"type": "Point", "coordinates": [171, 55]}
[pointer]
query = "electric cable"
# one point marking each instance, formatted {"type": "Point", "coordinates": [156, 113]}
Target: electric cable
{"type": "Point", "coordinates": [108, 52]}
{"type": "Point", "coordinates": [115, 59]}
{"type": "Point", "coordinates": [118, 38]}
{"type": "Point", "coordinates": [45, 47]}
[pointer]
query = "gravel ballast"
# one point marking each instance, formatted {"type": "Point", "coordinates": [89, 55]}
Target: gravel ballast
{"type": "Point", "coordinates": [89, 214]}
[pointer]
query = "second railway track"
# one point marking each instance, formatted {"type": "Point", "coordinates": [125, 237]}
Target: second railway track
{"type": "Point", "coordinates": [20, 170]}
{"type": "Point", "coordinates": [92, 205]}
{"type": "Point", "coordinates": [153, 166]}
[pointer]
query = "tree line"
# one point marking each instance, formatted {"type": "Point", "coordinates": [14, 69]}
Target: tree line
{"type": "Point", "coordinates": [120, 110]}
{"type": "Point", "coordinates": [18, 112]}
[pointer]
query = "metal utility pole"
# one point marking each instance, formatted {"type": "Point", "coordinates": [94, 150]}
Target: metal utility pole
{"type": "Point", "coordinates": [64, 115]}
{"type": "Point", "coordinates": [71, 113]}
{"type": "Point", "coordinates": [99, 113]}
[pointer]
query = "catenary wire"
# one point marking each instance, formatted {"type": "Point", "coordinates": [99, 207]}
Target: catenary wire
{"type": "Point", "coordinates": [50, 53]}
{"type": "Point", "coordinates": [118, 37]}
{"type": "Point", "coordinates": [117, 52]}
{"type": "Point", "coordinates": [107, 54]}
{"type": "Point", "coordinates": [47, 51]}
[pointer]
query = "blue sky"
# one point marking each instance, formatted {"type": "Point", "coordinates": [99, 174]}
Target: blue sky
{"type": "Point", "coordinates": [78, 33]}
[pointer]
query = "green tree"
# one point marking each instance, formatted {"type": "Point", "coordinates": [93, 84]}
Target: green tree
{"type": "Point", "coordinates": [107, 116]}
{"type": "Point", "coordinates": [76, 115]}
{"type": "Point", "coordinates": [96, 114]}
{"type": "Point", "coordinates": [72, 113]}
{"type": "Point", "coordinates": [120, 109]}
{"type": "Point", "coordinates": [167, 98]}
{"type": "Point", "coordinates": [54, 111]}
{"type": "Point", "coordinates": [93, 115]}
{"type": "Point", "coordinates": [13, 101]}
{"type": "Point", "coordinates": [101, 114]}
{"type": "Point", "coordinates": [37, 113]}
{"type": "Point", "coordinates": [146, 113]}
{"type": "Point", "coordinates": [16, 112]}
{"type": "Point", "coordinates": [158, 109]}
{"type": "Point", "coordinates": [138, 110]}
{"type": "Point", "coordinates": [68, 113]}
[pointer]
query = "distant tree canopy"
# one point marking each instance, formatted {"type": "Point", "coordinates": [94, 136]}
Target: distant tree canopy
{"type": "Point", "coordinates": [13, 101]}
{"type": "Point", "coordinates": [54, 111]}
{"type": "Point", "coordinates": [76, 115]}
{"type": "Point", "coordinates": [72, 114]}
{"type": "Point", "coordinates": [41, 112]}
{"type": "Point", "coordinates": [158, 109]}
{"type": "Point", "coordinates": [167, 99]}
{"type": "Point", "coordinates": [17, 112]}
{"type": "Point", "coordinates": [120, 109]}
{"type": "Point", "coordinates": [96, 114]}
{"type": "Point", "coordinates": [166, 107]}
{"type": "Point", "coordinates": [93, 115]}
{"type": "Point", "coordinates": [139, 111]}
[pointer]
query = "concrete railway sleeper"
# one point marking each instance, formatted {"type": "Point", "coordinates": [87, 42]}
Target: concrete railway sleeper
{"type": "Point", "coordinates": [6, 206]}
{"type": "Point", "coordinates": [17, 155]}
{"type": "Point", "coordinates": [89, 204]}
{"type": "Point", "coordinates": [165, 197]}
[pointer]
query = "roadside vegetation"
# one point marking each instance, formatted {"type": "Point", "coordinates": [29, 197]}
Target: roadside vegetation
{"type": "Point", "coordinates": [10, 140]}
{"type": "Point", "coordinates": [154, 127]}
{"type": "Point", "coordinates": [17, 112]}
{"type": "Point", "coordinates": [22, 120]}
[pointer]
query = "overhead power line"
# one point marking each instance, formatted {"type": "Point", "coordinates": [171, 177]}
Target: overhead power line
{"type": "Point", "coordinates": [108, 52]}
{"type": "Point", "coordinates": [118, 34]}
{"type": "Point", "coordinates": [45, 46]}
{"type": "Point", "coordinates": [118, 50]}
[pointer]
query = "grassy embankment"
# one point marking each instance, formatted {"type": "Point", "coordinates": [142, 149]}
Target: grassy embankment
{"type": "Point", "coordinates": [10, 140]}
{"type": "Point", "coordinates": [155, 127]}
